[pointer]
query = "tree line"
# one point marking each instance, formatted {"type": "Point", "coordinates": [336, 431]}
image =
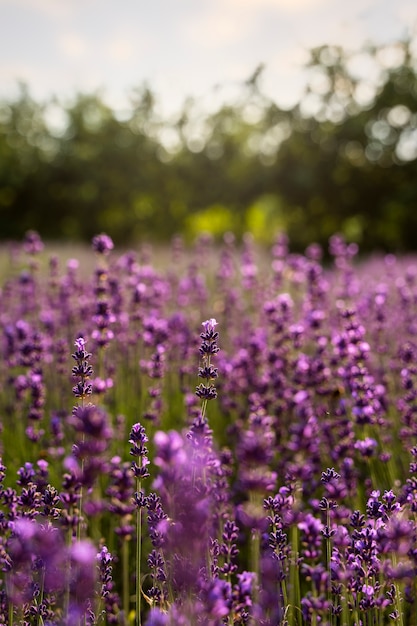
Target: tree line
{"type": "Point", "coordinates": [343, 159]}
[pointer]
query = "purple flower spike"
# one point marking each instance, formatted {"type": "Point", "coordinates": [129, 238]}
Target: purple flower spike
{"type": "Point", "coordinates": [82, 371]}
{"type": "Point", "coordinates": [138, 439]}
{"type": "Point", "coordinates": [208, 348]}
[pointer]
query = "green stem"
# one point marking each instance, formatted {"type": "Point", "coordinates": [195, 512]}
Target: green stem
{"type": "Point", "coordinates": [294, 577]}
{"type": "Point", "coordinates": [67, 581]}
{"type": "Point", "coordinates": [80, 506]}
{"type": "Point", "coordinates": [203, 408]}
{"type": "Point", "coordinates": [255, 553]}
{"type": "Point", "coordinates": [398, 602]}
{"type": "Point", "coordinates": [11, 614]}
{"type": "Point", "coordinates": [41, 592]}
{"type": "Point", "coordinates": [284, 602]}
{"type": "Point", "coordinates": [138, 557]}
{"type": "Point", "coordinates": [345, 610]}
{"type": "Point", "coordinates": [329, 558]}
{"type": "Point", "coordinates": [125, 560]}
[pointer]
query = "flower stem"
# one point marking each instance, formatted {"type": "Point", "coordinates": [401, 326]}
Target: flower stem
{"type": "Point", "coordinates": [125, 557]}
{"type": "Point", "coordinates": [329, 561]}
{"type": "Point", "coordinates": [138, 557]}
{"type": "Point", "coordinates": [11, 612]}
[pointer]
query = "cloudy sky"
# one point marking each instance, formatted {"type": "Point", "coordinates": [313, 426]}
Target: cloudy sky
{"type": "Point", "coordinates": [180, 47]}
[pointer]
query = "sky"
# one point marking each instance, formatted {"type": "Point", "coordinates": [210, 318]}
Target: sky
{"type": "Point", "coordinates": [204, 49]}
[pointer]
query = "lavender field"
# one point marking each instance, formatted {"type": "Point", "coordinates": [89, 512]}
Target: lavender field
{"type": "Point", "coordinates": [212, 435]}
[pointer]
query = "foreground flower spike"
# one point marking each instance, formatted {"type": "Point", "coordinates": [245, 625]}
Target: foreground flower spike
{"type": "Point", "coordinates": [207, 391]}
{"type": "Point", "coordinates": [37, 555]}
{"type": "Point", "coordinates": [82, 582]}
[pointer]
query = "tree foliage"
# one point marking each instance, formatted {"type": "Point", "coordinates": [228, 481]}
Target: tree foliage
{"type": "Point", "coordinates": [343, 159]}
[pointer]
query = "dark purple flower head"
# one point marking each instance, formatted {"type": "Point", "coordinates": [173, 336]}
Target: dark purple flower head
{"type": "Point", "coordinates": [206, 392]}
{"type": "Point", "coordinates": [26, 474]}
{"type": "Point", "coordinates": [2, 471]}
{"type": "Point", "coordinates": [102, 244]}
{"type": "Point", "coordinates": [329, 475]}
{"type": "Point", "coordinates": [138, 435]}
{"type": "Point", "coordinates": [33, 546]}
{"type": "Point", "coordinates": [208, 372]}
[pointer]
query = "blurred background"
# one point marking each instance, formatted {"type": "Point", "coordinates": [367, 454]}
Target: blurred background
{"type": "Point", "coordinates": [148, 120]}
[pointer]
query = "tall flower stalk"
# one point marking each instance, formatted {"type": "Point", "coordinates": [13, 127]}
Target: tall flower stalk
{"type": "Point", "coordinates": [139, 451]}
{"type": "Point", "coordinates": [81, 372]}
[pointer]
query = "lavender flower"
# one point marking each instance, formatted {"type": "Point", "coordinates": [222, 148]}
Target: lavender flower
{"type": "Point", "coordinates": [82, 371]}
{"type": "Point", "coordinates": [139, 451]}
{"type": "Point", "coordinates": [102, 244]}
{"type": "Point", "coordinates": [32, 243]}
{"type": "Point", "coordinates": [82, 580]}
{"type": "Point", "coordinates": [37, 554]}
{"type": "Point", "coordinates": [207, 391]}
{"type": "Point", "coordinates": [138, 439]}
{"type": "Point", "coordinates": [295, 503]}
{"type": "Point", "coordinates": [109, 598]}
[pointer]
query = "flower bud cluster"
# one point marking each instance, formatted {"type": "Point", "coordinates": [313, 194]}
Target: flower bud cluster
{"type": "Point", "coordinates": [82, 370]}
{"type": "Point", "coordinates": [138, 439]}
{"type": "Point", "coordinates": [207, 391]}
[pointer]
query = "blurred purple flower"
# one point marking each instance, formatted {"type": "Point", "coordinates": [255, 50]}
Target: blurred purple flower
{"type": "Point", "coordinates": [35, 548]}
{"type": "Point", "coordinates": [32, 243]}
{"type": "Point", "coordinates": [102, 244]}
{"type": "Point", "coordinates": [157, 617]}
{"type": "Point", "coordinates": [139, 451]}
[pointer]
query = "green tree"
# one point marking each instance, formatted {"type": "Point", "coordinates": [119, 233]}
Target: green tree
{"type": "Point", "coordinates": [343, 159]}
